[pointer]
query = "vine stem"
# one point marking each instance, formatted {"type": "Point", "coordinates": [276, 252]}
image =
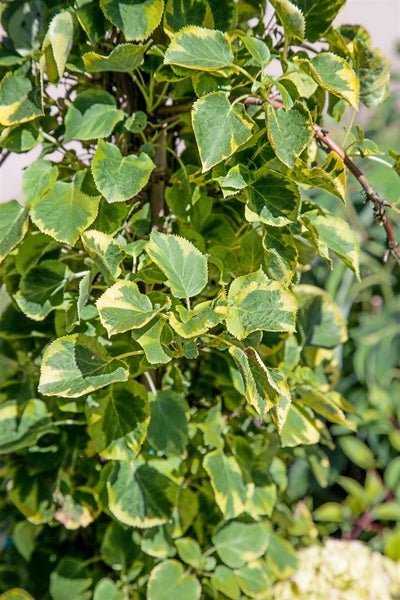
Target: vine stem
{"type": "Point", "coordinates": [380, 204]}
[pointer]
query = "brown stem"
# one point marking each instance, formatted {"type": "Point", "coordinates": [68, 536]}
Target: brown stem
{"type": "Point", "coordinates": [380, 205]}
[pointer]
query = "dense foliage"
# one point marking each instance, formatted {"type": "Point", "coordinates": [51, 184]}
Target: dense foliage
{"type": "Point", "coordinates": [173, 422]}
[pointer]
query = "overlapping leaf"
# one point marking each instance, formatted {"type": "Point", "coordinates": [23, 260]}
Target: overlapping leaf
{"type": "Point", "coordinates": [331, 177]}
{"type": "Point", "coordinates": [280, 254]}
{"type": "Point", "coordinates": [93, 114]}
{"type": "Point", "coordinates": [64, 211]}
{"type": "Point", "coordinates": [318, 15]}
{"type": "Point", "coordinates": [13, 226]}
{"type": "Point", "coordinates": [265, 388]}
{"type": "Point", "coordinates": [227, 482]}
{"type": "Point", "coordinates": [181, 13]}
{"type": "Point", "coordinates": [74, 365]}
{"type": "Point", "coordinates": [140, 496]}
{"type": "Point", "coordinates": [137, 19]}
{"type": "Point", "coordinates": [291, 18]}
{"type": "Point", "coordinates": [123, 307]}
{"type": "Point", "coordinates": [19, 102]}
{"type": "Point", "coordinates": [106, 253]}
{"type": "Point", "coordinates": [219, 127]}
{"type": "Point", "coordinates": [155, 338]}
{"type": "Point", "coordinates": [335, 74]}
{"type": "Point", "coordinates": [373, 70]}
{"type": "Point", "coordinates": [168, 428]}
{"type": "Point", "coordinates": [184, 266]}
{"type": "Point", "coordinates": [59, 40]}
{"type": "Point", "coordinates": [338, 236]}
{"type": "Point", "coordinates": [240, 543]}
{"type": "Point", "coordinates": [200, 49]}
{"type": "Point", "coordinates": [21, 429]}
{"type": "Point", "coordinates": [169, 579]}
{"type": "Point", "coordinates": [289, 132]}
{"type": "Point", "coordinates": [118, 420]}
{"type": "Point", "coordinates": [124, 58]}
{"type": "Point", "coordinates": [118, 177]}
{"type": "Point", "coordinates": [272, 199]}
{"type": "Point", "coordinates": [257, 303]}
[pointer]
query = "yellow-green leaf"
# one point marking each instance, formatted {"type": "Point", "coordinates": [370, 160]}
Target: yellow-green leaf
{"type": "Point", "coordinates": [200, 49]}
{"type": "Point", "coordinates": [220, 128]}
{"type": "Point", "coordinates": [227, 482]}
{"type": "Point", "coordinates": [124, 58]}
{"type": "Point", "coordinates": [13, 226]}
{"type": "Point", "coordinates": [19, 103]}
{"type": "Point", "coordinates": [136, 19]}
{"type": "Point", "coordinates": [335, 74]}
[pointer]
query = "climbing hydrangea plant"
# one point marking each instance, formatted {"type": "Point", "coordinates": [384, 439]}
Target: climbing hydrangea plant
{"type": "Point", "coordinates": [163, 359]}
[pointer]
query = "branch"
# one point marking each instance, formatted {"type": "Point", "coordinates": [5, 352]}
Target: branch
{"type": "Point", "coordinates": [379, 204]}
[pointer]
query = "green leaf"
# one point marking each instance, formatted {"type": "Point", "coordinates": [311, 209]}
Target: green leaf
{"type": "Point", "coordinates": [260, 500]}
{"type": "Point", "coordinates": [192, 323]}
{"type": "Point", "coordinates": [124, 58]}
{"type": "Point", "coordinates": [265, 389]}
{"type": "Point", "coordinates": [325, 405]}
{"type": "Point", "coordinates": [155, 338]}
{"type": "Point", "coordinates": [272, 199]}
{"type": "Point", "coordinates": [106, 589]}
{"type": "Point", "coordinates": [357, 451]}
{"type": "Point", "coordinates": [106, 253]}
{"type": "Point", "coordinates": [92, 115]}
{"type": "Point", "coordinates": [318, 15]}
{"type": "Point", "coordinates": [140, 496]}
{"type": "Point", "coordinates": [24, 538]}
{"type": "Point", "coordinates": [118, 177]}
{"type": "Point", "coordinates": [181, 262]}
{"type": "Point", "coordinates": [223, 580]}
{"type": "Point", "coordinates": [227, 482]}
{"type": "Point", "coordinates": [22, 428]}
{"type": "Point", "coordinates": [137, 20]}
{"type": "Point", "coordinates": [19, 103]}
{"type": "Point", "coordinates": [373, 71]}
{"type": "Point", "coordinates": [13, 226]}
{"type": "Point", "coordinates": [189, 551]}
{"type": "Point", "coordinates": [168, 428]}
{"type": "Point", "coordinates": [335, 75]}
{"type": "Point", "coordinates": [198, 48]}
{"type": "Point", "coordinates": [64, 212]}
{"type": "Point", "coordinates": [291, 18]}
{"type": "Point", "coordinates": [258, 50]}
{"type": "Point", "coordinates": [338, 236]}
{"type": "Point", "coordinates": [254, 578]}
{"type": "Point", "coordinates": [181, 13]}
{"type": "Point", "coordinates": [289, 132]}
{"type": "Point", "coordinates": [70, 580]}
{"type": "Point", "coordinates": [299, 428]}
{"type": "Point", "coordinates": [169, 580]}
{"type": "Point", "coordinates": [281, 557]}
{"type": "Point", "coordinates": [118, 420]}
{"type": "Point", "coordinates": [16, 594]}
{"type": "Point", "coordinates": [77, 364]}
{"type": "Point", "coordinates": [123, 307]}
{"type": "Point", "coordinates": [42, 289]}
{"type": "Point", "coordinates": [280, 254]}
{"type": "Point", "coordinates": [219, 127]}
{"type": "Point", "coordinates": [255, 303]}
{"type": "Point", "coordinates": [239, 543]}
{"type": "Point", "coordinates": [38, 178]}
{"type": "Point", "coordinates": [330, 177]}
{"type": "Point", "coordinates": [59, 38]}
{"type": "Point", "coordinates": [319, 318]}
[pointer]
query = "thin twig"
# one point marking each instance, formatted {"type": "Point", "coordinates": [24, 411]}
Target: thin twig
{"type": "Point", "coordinates": [380, 205]}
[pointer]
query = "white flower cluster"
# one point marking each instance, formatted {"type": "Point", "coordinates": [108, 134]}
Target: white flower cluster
{"type": "Point", "coordinates": [341, 570]}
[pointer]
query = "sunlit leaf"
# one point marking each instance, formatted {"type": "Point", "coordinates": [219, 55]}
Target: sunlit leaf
{"type": "Point", "coordinates": [118, 177]}
{"type": "Point", "coordinates": [272, 199]}
{"type": "Point", "coordinates": [335, 75]}
{"type": "Point", "coordinates": [137, 20]}
{"type": "Point", "coordinates": [181, 262]}
{"type": "Point", "coordinates": [92, 115]}
{"type": "Point", "coordinates": [239, 543]}
{"type": "Point", "coordinates": [170, 579]}
{"type": "Point", "coordinates": [13, 226]}
{"type": "Point", "coordinates": [77, 364]}
{"type": "Point", "coordinates": [19, 102]}
{"type": "Point", "coordinates": [227, 482]}
{"type": "Point", "coordinates": [289, 132]}
{"type": "Point", "coordinates": [124, 58]}
{"type": "Point", "coordinates": [291, 17]}
{"type": "Point", "coordinates": [198, 48]}
{"type": "Point", "coordinates": [220, 128]}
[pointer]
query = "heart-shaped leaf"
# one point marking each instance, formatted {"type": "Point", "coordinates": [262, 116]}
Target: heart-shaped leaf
{"type": "Point", "coordinates": [118, 177]}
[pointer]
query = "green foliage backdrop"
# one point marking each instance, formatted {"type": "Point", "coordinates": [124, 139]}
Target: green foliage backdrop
{"type": "Point", "coordinates": [174, 300]}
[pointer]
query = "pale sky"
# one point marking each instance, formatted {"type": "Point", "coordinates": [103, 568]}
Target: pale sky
{"type": "Point", "coordinates": [380, 17]}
